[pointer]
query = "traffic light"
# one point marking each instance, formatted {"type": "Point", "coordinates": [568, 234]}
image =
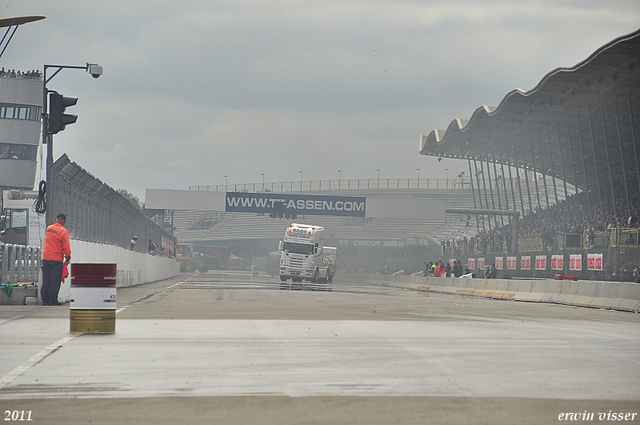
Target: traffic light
{"type": "Point", "coordinates": [58, 120]}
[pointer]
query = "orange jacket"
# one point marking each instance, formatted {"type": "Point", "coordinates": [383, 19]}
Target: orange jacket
{"type": "Point", "coordinates": [56, 243]}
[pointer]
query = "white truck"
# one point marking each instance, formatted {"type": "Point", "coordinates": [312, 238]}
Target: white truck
{"type": "Point", "coordinates": [303, 255]}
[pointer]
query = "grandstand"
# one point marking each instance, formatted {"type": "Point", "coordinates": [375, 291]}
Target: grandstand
{"type": "Point", "coordinates": [569, 140]}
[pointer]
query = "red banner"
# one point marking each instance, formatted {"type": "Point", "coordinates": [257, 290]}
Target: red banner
{"type": "Point", "coordinates": [511, 263]}
{"type": "Point", "coordinates": [499, 261]}
{"type": "Point", "coordinates": [557, 262]}
{"type": "Point", "coordinates": [594, 262]}
{"type": "Point", "coordinates": [471, 263]}
{"type": "Point", "coordinates": [525, 262]}
{"type": "Point", "coordinates": [575, 262]}
{"type": "Point", "coordinates": [541, 262]}
{"type": "Point", "coordinates": [481, 263]}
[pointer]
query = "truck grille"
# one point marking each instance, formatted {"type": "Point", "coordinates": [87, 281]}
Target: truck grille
{"type": "Point", "coordinates": [295, 262]}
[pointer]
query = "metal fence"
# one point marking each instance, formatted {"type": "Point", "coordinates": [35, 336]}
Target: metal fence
{"type": "Point", "coordinates": [343, 184]}
{"type": "Point", "coordinates": [19, 263]}
{"type": "Point", "coordinates": [97, 213]}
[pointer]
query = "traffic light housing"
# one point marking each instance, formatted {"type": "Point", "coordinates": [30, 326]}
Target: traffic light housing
{"type": "Point", "coordinates": [58, 120]}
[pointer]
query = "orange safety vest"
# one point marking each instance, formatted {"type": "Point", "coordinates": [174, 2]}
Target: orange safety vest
{"type": "Point", "coordinates": [56, 243]}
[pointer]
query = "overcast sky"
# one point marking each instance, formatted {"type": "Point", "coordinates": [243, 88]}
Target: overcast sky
{"type": "Point", "coordinates": [196, 89]}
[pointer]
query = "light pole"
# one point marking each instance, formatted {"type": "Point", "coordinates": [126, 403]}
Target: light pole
{"type": "Point", "coordinates": [262, 182]}
{"type": "Point", "coordinates": [301, 175]}
{"type": "Point", "coordinates": [225, 182]}
{"type": "Point", "coordinates": [47, 139]}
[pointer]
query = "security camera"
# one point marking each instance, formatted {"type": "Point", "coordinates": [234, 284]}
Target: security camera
{"type": "Point", "coordinates": [94, 70]}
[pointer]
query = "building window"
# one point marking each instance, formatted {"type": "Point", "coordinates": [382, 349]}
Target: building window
{"type": "Point", "coordinates": [16, 151]}
{"type": "Point", "coordinates": [20, 112]}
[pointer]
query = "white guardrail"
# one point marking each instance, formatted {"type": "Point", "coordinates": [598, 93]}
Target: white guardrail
{"type": "Point", "coordinates": [19, 263]}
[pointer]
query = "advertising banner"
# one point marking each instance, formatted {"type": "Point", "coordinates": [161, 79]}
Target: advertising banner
{"type": "Point", "coordinates": [594, 262]}
{"type": "Point", "coordinates": [471, 263]}
{"type": "Point", "coordinates": [499, 263]}
{"type": "Point", "coordinates": [557, 262]}
{"type": "Point", "coordinates": [511, 263]}
{"type": "Point", "coordinates": [525, 262]}
{"type": "Point", "coordinates": [541, 262]}
{"type": "Point", "coordinates": [575, 262]}
{"type": "Point", "coordinates": [280, 203]}
{"type": "Point", "coordinates": [481, 263]}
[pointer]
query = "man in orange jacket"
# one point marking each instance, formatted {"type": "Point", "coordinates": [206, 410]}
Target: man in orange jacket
{"type": "Point", "coordinates": [56, 250]}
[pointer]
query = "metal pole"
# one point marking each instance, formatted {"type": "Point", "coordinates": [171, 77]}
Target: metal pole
{"type": "Point", "coordinates": [484, 185]}
{"type": "Point", "coordinates": [584, 166]}
{"type": "Point", "coordinates": [475, 164]}
{"type": "Point", "coordinates": [473, 192]}
{"type": "Point", "coordinates": [553, 172]}
{"type": "Point", "coordinates": [633, 139]}
{"type": "Point", "coordinates": [535, 179]}
{"type": "Point", "coordinates": [606, 147]}
{"type": "Point", "coordinates": [526, 179]}
{"type": "Point", "coordinates": [495, 173]}
{"type": "Point", "coordinates": [573, 168]}
{"type": "Point", "coordinates": [544, 175]}
{"type": "Point", "coordinates": [564, 177]}
{"type": "Point", "coordinates": [504, 180]}
{"type": "Point", "coordinates": [515, 161]}
{"type": "Point", "coordinates": [45, 117]}
{"type": "Point", "coordinates": [624, 172]}
{"type": "Point", "coordinates": [595, 161]}
{"type": "Point", "coordinates": [493, 202]}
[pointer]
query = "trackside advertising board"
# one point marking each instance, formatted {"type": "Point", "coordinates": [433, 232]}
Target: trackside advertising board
{"type": "Point", "coordinates": [351, 206]}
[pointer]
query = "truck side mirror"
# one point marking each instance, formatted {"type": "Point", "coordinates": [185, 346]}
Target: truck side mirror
{"type": "Point", "coordinates": [280, 246]}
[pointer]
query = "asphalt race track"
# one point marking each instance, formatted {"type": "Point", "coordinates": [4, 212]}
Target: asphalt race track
{"type": "Point", "coordinates": [229, 348]}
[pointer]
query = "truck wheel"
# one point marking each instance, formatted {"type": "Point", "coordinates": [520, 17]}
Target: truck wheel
{"type": "Point", "coordinates": [282, 278]}
{"type": "Point", "coordinates": [190, 267]}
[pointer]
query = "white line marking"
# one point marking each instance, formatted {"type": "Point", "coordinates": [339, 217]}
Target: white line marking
{"type": "Point", "coordinates": [11, 376]}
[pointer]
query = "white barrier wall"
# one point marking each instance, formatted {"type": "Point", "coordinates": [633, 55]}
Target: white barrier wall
{"type": "Point", "coordinates": [623, 296]}
{"type": "Point", "coordinates": [133, 268]}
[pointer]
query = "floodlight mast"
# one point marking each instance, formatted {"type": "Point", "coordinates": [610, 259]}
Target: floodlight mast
{"type": "Point", "coordinates": [47, 138]}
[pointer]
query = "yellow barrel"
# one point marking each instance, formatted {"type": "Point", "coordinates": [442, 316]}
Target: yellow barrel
{"type": "Point", "coordinates": [93, 298]}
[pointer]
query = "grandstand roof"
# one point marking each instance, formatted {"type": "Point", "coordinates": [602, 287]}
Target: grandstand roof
{"type": "Point", "coordinates": [553, 121]}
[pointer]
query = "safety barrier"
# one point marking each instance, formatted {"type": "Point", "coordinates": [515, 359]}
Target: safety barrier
{"type": "Point", "coordinates": [19, 263]}
{"type": "Point", "coordinates": [624, 296]}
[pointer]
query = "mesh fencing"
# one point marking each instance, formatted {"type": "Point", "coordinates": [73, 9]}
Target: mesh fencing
{"type": "Point", "coordinates": [97, 213]}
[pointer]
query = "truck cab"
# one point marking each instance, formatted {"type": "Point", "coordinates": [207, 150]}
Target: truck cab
{"type": "Point", "coordinates": [303, 255]}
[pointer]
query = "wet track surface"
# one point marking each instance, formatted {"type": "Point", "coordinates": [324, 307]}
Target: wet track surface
{"type": "Point", "coordinates": [230, 339]}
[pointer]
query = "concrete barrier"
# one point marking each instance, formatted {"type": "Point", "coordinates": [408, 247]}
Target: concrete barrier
{"type": "Point", "coordinates": [628, 297]}
{"type": "Point", "coordinates": [568, 292]}
{"type": "Point", "coordinates": [133, 268]}
{"type": "Point", "coordinates": [586, 294]}
{"type": "Point", "coordinates": [623, 296]}
{"type": "Point", "coordinates": [606, 294]}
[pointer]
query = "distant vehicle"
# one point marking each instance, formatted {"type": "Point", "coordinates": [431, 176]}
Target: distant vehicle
{"type": "Point", "coordinates": [303, 255]}
{"type": "Point", "coordinates": [191, 261]}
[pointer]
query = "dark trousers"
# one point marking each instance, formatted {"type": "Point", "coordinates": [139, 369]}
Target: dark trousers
{"type": "Point", "coordinates": [51, 279]}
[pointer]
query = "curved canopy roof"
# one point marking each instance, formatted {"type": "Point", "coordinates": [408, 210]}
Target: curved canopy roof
{"type": "Point", "coordinates": [560, 122]}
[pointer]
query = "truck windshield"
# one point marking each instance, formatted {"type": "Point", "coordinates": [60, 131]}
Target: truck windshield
{"type": "Point", "coordinates": [298, 248]}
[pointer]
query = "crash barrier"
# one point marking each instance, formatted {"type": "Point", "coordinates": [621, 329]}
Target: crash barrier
{"type": "Point", "coordinates": [19, 263]}
{"type": "Point", "coordinates": [623, 296]}
{"type": "Point", "coordinates": [132, 268]}
{"type": "Point", "coordinates": [93, 298]}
